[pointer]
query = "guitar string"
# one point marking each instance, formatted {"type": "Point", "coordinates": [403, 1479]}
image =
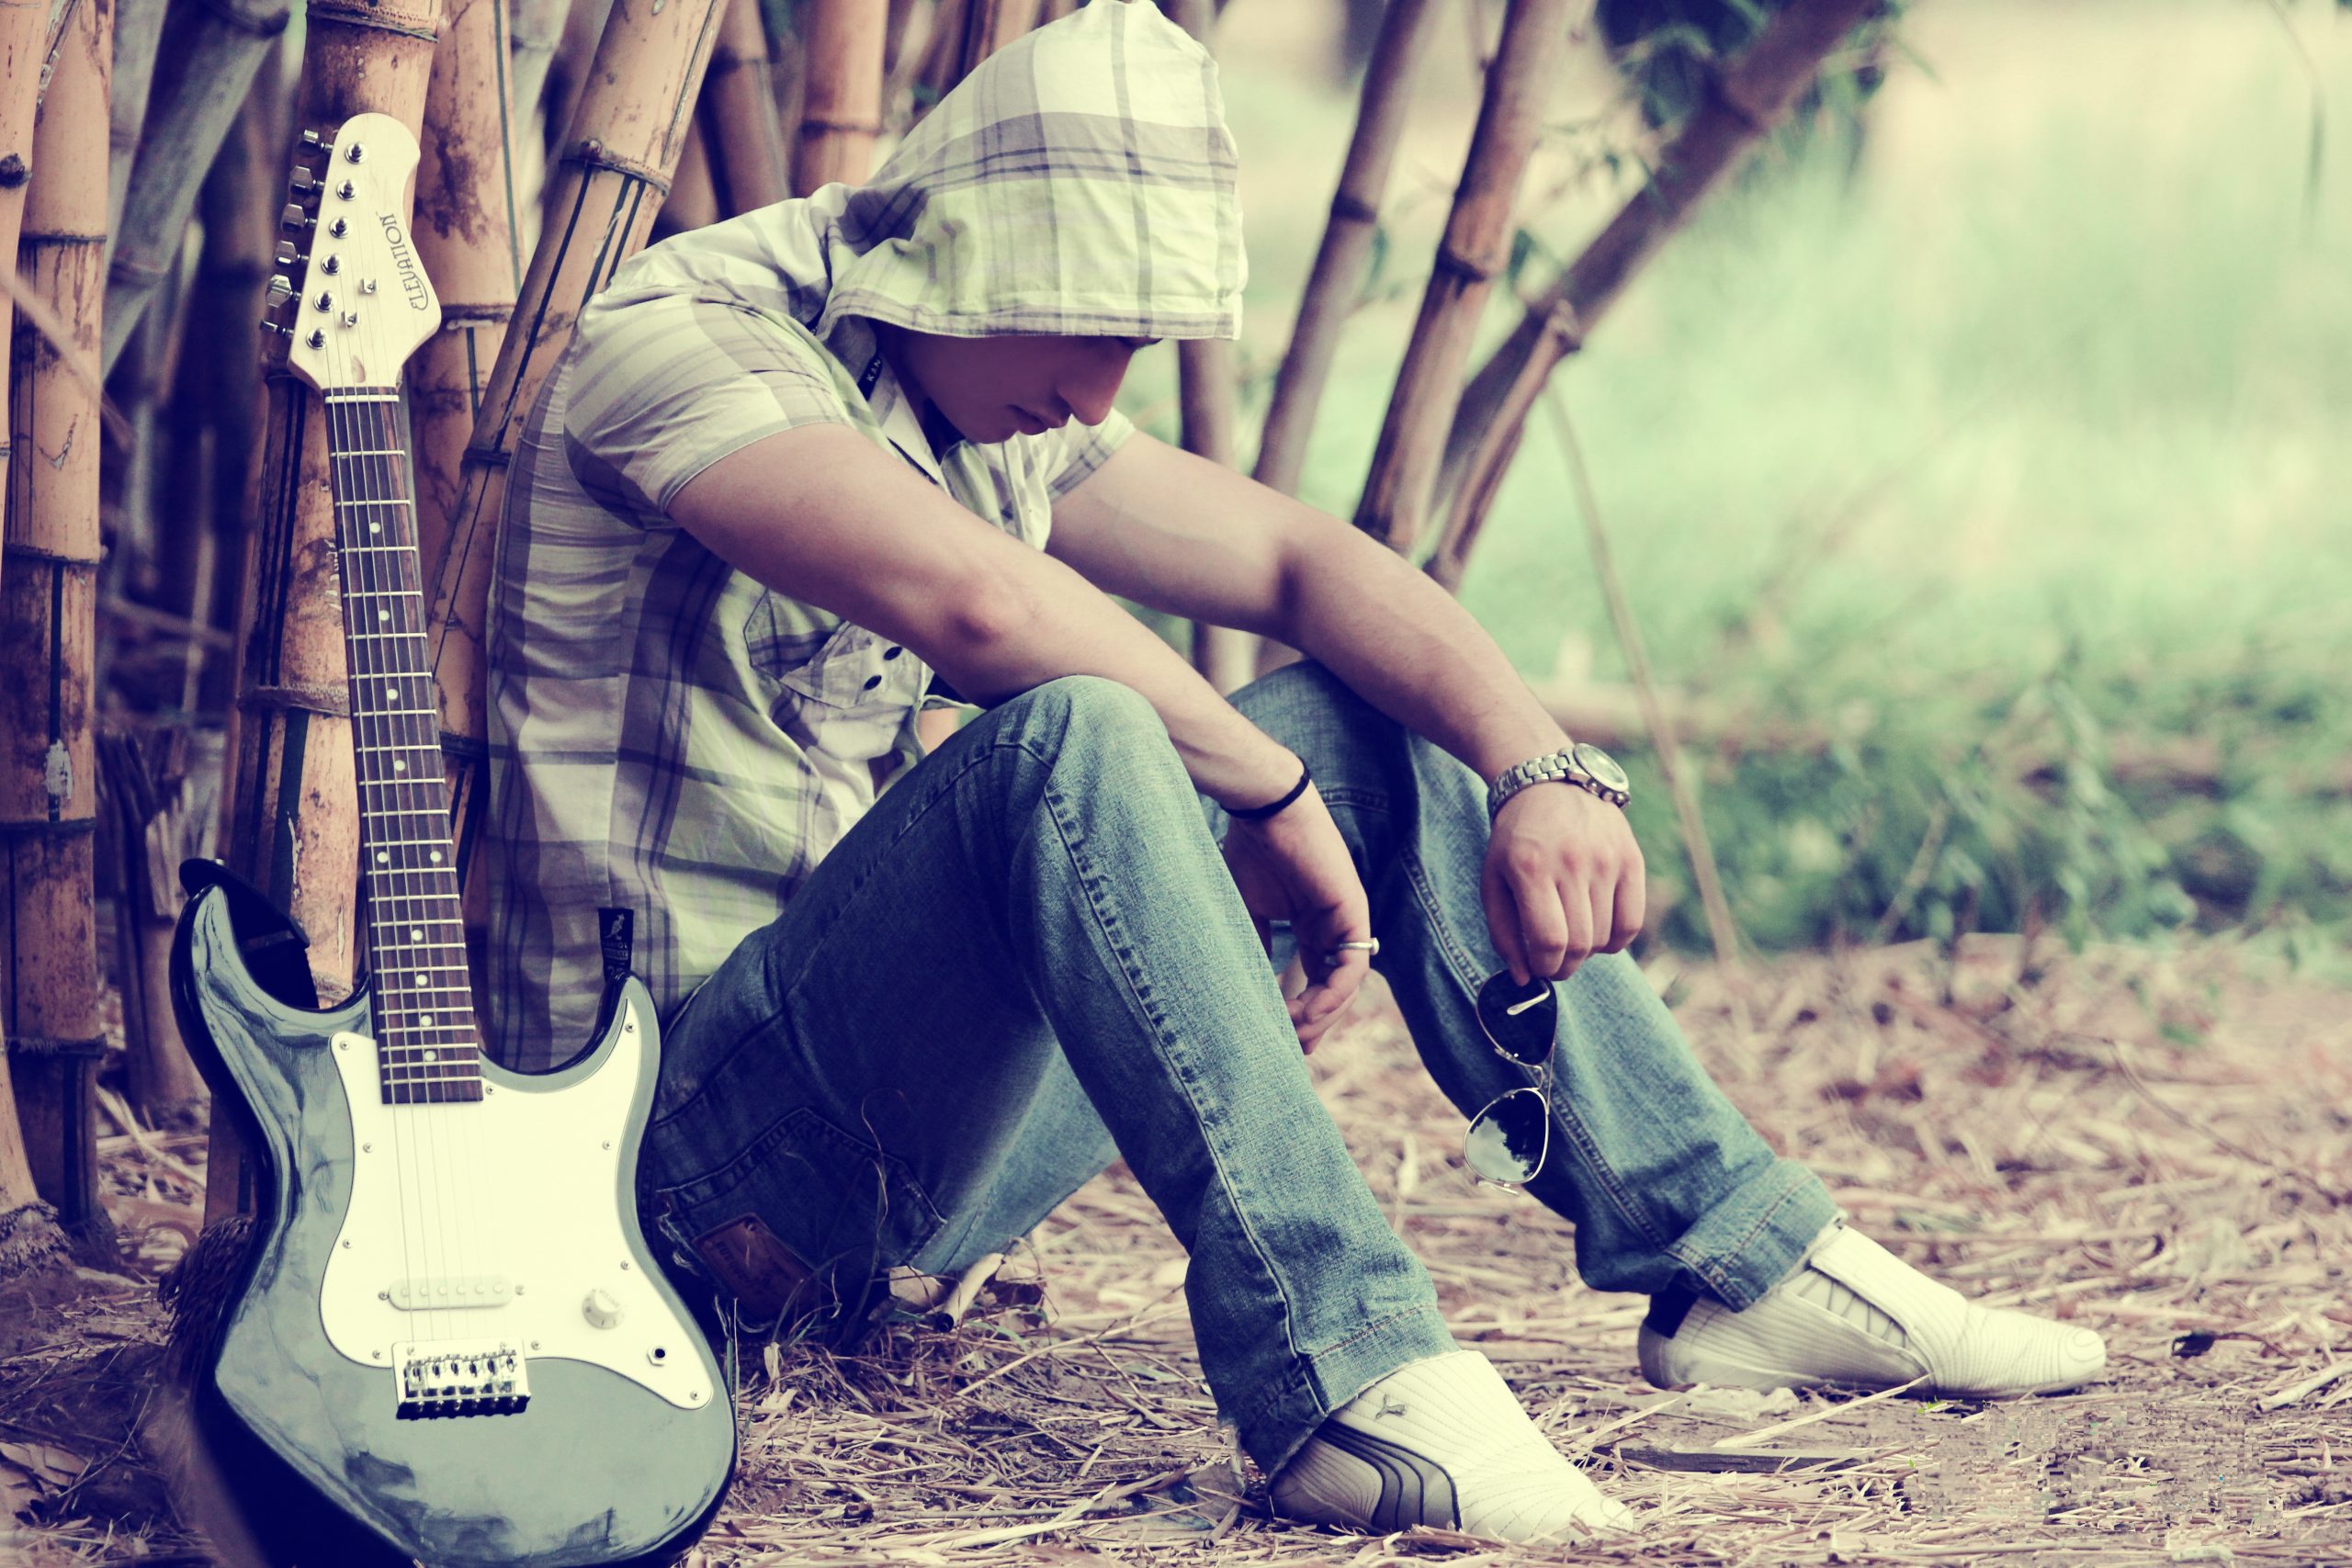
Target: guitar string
{"type": "Point", "coordinates": [407, 889]}
{"type": "Point", "coordinates": [341, 440]}
{"type": "Point", "coordinates": [448, 1125]}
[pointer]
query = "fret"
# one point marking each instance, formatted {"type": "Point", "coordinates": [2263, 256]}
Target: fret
{"type": "Point", "coordinates": [361, 396]}
{"type": "Point", "coordinates": [369, 452]}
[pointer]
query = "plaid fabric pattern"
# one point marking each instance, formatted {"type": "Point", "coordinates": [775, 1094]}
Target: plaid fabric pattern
{"type": "Point", "coordinates": [671, 739]}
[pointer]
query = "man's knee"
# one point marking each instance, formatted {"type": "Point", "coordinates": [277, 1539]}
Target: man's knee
{"type": "Point", "coordinates": [1084, 707]}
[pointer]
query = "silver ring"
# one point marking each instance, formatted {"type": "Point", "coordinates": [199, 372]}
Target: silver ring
{"type": "Point", "coordinates": [1372, 945]}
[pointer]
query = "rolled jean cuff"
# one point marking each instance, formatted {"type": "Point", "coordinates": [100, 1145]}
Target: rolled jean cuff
{"type": "Point", "coordinates": [1751, 1241]}
{"type": "Point", "coordinates": [1279, 1425]}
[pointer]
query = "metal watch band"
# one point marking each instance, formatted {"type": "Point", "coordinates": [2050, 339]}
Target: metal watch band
{"type": "Point", "coordinates": [1553, 766]}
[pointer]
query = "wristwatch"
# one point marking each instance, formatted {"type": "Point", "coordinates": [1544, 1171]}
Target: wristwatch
{"type": "Point", "coordinates": [1585, 765]}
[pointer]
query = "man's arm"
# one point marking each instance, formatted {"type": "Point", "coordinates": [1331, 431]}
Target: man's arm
{"type": "Point", "coordinates": [1165, 528]}
{"type": "Point", "coordinates": [823, 515]}
{"type": "Point", "coordinates": [1562, 876]}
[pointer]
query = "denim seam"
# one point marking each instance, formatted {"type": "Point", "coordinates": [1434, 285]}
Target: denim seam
{"type": "Point", "coordinates": [1304, 1369]}
{"type": "Point", "coordinates": [1710, 1267]}
{"type": "Point", "coordinates": [1459, 961]}
{"type": "Point", "coordinates": [788, 991]}
{"type": "Point", "coordinates": [1103, 920]}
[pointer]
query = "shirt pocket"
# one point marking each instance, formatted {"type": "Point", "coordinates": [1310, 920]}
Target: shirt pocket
{"type": "Point", "coordinates": [845, 689]}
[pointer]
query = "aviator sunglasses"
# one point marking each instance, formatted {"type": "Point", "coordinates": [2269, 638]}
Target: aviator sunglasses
{"type": "Point", "coordinates": [1507, 1142]}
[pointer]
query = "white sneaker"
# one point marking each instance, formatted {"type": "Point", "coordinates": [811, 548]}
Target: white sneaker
{"type": "Point", "coordinates": [1443, 1442]}
{"type": "Point", "coordinates": [1854, 1316]}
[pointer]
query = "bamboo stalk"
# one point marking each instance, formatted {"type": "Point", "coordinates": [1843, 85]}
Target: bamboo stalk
{"type": "Point", "coordinates": [1741, 104]}
{"type": "Point", "coordinates": [840, 112]}
{"type": "Point", "coordinates": [739, 114]}
{"type": "Point", "coordinates": [213, 416]}
{"type": "Point", "coordinates": [1344, 257]}
{"type": "Point", "coordinates": [292, 810]}
{"type": "Point", "coordinates": [464, 231]}
{"type": "Point", "coordinates": [141, 772]}
{"type": "Point", "coordinates": [206, 60]}
{"type": "Point", "coordinates": [894, 44]}
{"type": "Point", "coordinates": [137, 28]}
{"type": "Point", "coordinates": [534, 29]}
{"type": "Point", "coordinates": [989, 24]}
{"type": "Point", "coordinates": [23, 44]}
{"type": "Point", "coordinates": [47, 625]}
{"type": "Point", "coordinates": [1206, 376]}
{"type": "Point", "coordinates": [623, 144]}
{"type": "Point", "coordinates": [692, 201]}
{"type": "Point", "coordinates": [1475, 246]}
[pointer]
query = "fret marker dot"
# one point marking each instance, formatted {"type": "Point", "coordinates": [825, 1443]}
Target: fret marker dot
{"type": "Point", "coordinates": [374, 527]}
{"type": "Point", "coordinates": [417, 934]}
{"type": "Point", "coordinates": [383, 615]}
{"type": "Point", "coordinates": [382, 857]}
{"type": "Point", "coordinates": [420, 980]}
{"type": "Point", "coordinates": [434, 857]}
{"type": "Point", "coordinates": [428, 1056]}
{"type": "Point", "coordinates": [427, 1023]}
{"type": "Point", "coordinates": [399, 765]}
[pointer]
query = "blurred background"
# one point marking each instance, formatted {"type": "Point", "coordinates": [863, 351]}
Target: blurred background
{"type": "Point", "coordinates": [1977, 462]}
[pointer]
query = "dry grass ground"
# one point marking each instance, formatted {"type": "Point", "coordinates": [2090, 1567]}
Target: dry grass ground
{"type": "Point", "coordinates": [2160, 1148]}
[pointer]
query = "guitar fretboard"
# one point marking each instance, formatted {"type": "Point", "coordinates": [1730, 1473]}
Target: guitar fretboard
{"type": "Point", "coordinates": [426, 1036]}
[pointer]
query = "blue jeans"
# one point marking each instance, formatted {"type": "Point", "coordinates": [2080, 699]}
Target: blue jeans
{"type": "Point", "coordinates": [1028, 959]}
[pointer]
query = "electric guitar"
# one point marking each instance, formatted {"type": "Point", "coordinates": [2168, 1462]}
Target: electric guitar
{"type": "Point", "coordinates": [448, 1341]}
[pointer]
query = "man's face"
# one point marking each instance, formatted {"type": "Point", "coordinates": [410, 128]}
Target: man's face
{"type": "Point", "coordinates": [992, 389]}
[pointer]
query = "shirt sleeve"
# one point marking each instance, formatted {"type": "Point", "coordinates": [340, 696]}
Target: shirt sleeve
{"type": "Point", "coordinates": [1070, 454]}
{"type": "Point", "coordinates": [664, 384]}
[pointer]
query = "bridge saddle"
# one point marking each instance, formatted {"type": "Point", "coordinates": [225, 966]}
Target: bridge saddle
{"type": "Point", "coordinates": [459, 1377]}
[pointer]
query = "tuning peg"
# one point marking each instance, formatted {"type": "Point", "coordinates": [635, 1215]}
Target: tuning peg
{"type": "Point", "coordinates": [294, 216]}
{"type": "Point", "coordinates": [288, 256]}
{"type": "Point", "coordinates": [281, 290]}
{"type": "Point", "coordinates": [313, 139]}
{"type": "Point", "coordinates": [274, 327]}
{"type": "Point", "coordinates": [302, 180]}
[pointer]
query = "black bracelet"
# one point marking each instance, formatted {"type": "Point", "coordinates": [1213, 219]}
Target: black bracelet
{"type": "Point", "coordinates": [1259, 813]}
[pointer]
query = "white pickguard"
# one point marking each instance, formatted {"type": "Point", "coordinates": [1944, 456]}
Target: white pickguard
{"type": "Point", "coordinates": [514, 1197]}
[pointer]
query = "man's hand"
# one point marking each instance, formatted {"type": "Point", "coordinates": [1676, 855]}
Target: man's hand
{"type": "Point", "coordinates": [1562, 881]}
{"type": "Point", "coordinates": [1295, 866]}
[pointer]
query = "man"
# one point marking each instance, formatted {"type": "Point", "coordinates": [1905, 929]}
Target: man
{"type": "Point", "coordinates": [807, 468]}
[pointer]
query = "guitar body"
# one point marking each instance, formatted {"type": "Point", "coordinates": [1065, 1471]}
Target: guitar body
{"type": "Point", "coordinates": [562, 1407]}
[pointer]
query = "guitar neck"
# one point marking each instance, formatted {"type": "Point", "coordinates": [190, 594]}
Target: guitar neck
{"type": "Point", "coordinates": [427, 1035]}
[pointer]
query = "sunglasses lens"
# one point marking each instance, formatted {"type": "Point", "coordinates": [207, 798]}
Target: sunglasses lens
{"type": "Point", "coordinates": [1520, 1019]}
{"type": "Point", "coordinates": [1507, 1142]}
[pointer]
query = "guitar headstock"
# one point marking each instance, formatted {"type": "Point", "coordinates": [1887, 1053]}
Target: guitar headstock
{"type": "Point", "coordinates": [357, 303]}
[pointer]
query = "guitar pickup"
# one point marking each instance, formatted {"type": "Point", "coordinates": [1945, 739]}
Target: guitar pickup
{"type": "Point", "coordinates": [448, 1292]}
{"type": "Point", "coordinates": [456, 1377]}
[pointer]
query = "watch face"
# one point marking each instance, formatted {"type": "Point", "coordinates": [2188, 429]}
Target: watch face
{"type": "Point", "coordinates": [1601, 766]}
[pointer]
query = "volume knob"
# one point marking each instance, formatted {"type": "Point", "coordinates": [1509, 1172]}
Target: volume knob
{"type": "Point", "coordinates": [599, 1310]}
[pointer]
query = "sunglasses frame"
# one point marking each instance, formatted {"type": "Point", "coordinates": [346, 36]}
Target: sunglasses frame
{"type": "Point", "coordinates": [1541, 1087]}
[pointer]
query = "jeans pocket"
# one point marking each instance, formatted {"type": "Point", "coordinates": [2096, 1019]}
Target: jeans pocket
{"type": "Point", "coordinates": [836, 1202]}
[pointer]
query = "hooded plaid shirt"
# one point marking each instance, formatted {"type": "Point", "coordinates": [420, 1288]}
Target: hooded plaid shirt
{"type": "Point", "coordinates": [674, 746]}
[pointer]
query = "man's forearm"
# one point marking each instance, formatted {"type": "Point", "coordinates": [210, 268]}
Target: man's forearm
{"type": "Point", "coordinates": [1410, 650]}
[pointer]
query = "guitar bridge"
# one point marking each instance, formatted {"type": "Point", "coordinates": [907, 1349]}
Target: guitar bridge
{"type": "Point", "coordinates": [457, 1377]}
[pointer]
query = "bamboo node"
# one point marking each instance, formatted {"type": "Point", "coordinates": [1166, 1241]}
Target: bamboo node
{"type": "Point", "coordinates": [51, 1045]}
{"type": "Point", "coordinates": [1562, 325]}
{"type": "Point", "coordinates": [486, 457]}
{"type": "Point", "coordinates": [335, 702]}
{"type": "Point", "coordinates": [1453, 263]}
{"type": "Point", "coordinates": [46, 828]}
{"type": "Point", "coordinates": [1347, 205]}
{"type": "Point", "coordinates": [592, 154]}
{"type": "Point", "coordinates": [1724, 91]}
{"type": "Point", "coordinates": [14, 171]}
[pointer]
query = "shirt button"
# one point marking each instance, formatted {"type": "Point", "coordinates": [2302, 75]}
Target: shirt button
{"type": "Point", "coordinates": [872, 682]}
{"type": "Point", "coordinates": [892, 652]}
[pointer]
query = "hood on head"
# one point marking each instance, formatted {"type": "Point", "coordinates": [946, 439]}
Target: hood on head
{"type": "Point", "coordinates": [1080, 180]}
